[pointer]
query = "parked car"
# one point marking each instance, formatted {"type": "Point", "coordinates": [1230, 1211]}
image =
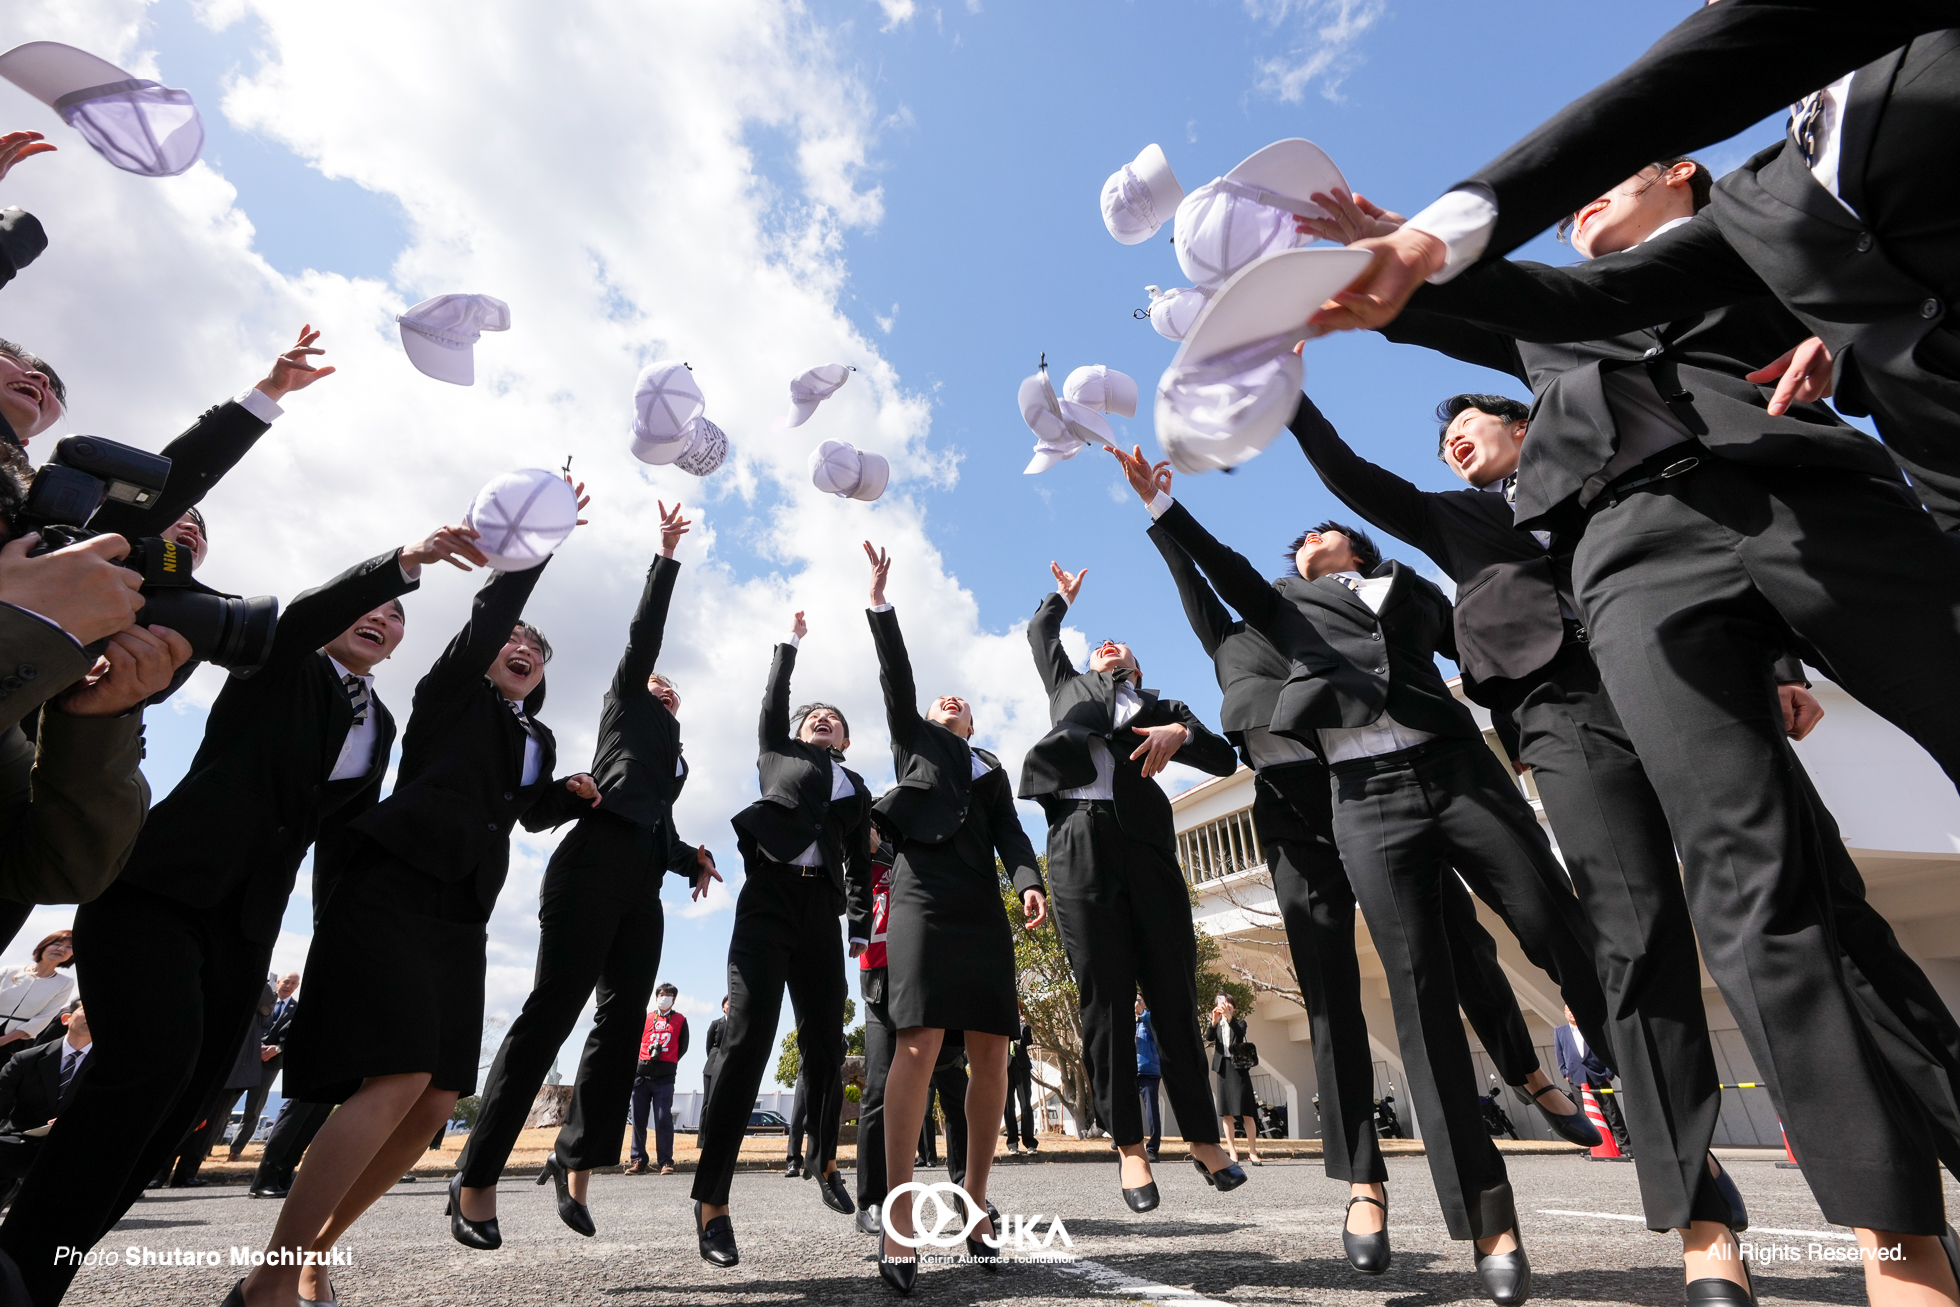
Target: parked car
{"type": "Point", "coordinates": [764, 1122]}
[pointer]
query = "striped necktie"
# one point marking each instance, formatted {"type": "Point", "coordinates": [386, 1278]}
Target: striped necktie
{"type": "Point", "coordinates": [517, 710]}
{"type": "Point", "coordinates": [71, 1064]}
{"type": "Point", "coordinates": [357, 696]}
{"type": "Point", "coordinates": [1806, 120]}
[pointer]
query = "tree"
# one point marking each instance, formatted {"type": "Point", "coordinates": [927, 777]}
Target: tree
{"type": "Point", "coordinates": [1258, 965]}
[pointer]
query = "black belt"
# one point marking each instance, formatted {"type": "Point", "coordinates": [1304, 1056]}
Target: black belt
{"type": "Point", "coordinates": [1093, 805]}
{"type": "Point", "coordinates": [1674, 461]}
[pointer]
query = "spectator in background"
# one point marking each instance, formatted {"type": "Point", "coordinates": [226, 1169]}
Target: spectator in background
{"type": "Point", "coordinates": [1584, 1068]}
{"type": "Point", "coordinates": [716, 1030]}
{"type": "Point", "coordinates": [1150, 1075]}
{"type": "Point", "coordinates": [31, 996]}
{"type": "Point", "coordinates": [662, 1046]}
{"type": "Point", "coordinates": [208, 1134]}
{"type": "Point", "coordinates": [1020, 1089]}
{"type": "Point", "coordinates": [272, 1056]}
{"type": "Point", "coordinates": [1233, 1059]}
{"type": "Point", "coordinates": [34, 1087]}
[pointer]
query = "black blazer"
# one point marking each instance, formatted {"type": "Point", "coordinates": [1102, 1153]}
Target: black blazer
{"type": "Point", "coordinates": [458, 795]}
{"type": "Point", "coordinates": [937, 799]}
{"type": "Point", "coordinates": [1081, 707]}
{"type": "Point", "coordinates": [1350, 666]}
{"type": "Point", "coordinates": [30, 1084]}
{"type": "Point", "coordinates": [1507, 619]}
{"type": "Point", "coordinates": [713, 1044]}
{"type": "Point", "coordinates": [199, 458]}
{"type": "Point", "coordinates": [1221, 1061]}
{"type": "Point", "coordinates": [1718, 72]}
{"type": "Point", "coordinates": [282, 1022]}
{"type": "Point", "coordinates": [257, 792]}
{"type": "Point", "coordinates": [795, 810]}
{"type": "Point", "coordinates": [1250, 670]}
{"type": "Point", "coordinates": [1019, 1059]}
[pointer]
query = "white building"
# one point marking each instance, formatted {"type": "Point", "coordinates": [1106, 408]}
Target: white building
{"type": "Point", "coordinates": [1898, 813]}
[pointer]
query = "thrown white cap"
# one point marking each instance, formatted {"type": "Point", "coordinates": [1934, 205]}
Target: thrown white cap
{"type": "Point", "coordinates": [1062, 428]}
{"type": "Point", "coordinates": [522, 517]}
{"type": "Point", "coordinates": [841, 469]}
{"type": "Point", "coordinates": [666, 401]}
{"type": "Point", "coordinates": [812, 389]}
{"type": "Point", "coordinates": [1172, 312]}
{"type": "Point", "coordinates": [139, 125]}
{"type": "Point", "coordinates": [1248, 213]}
{"type": "Point", "coordinates": [1140, 197]}
{"type": "Point", "coordinates": [440, 335]}
{"type": "Point", "coordinates": [1103, 389]}
{"type": "Point", "coordinates": [701, 449]}
{"type": "Point", "coordinates": [1236, 380]}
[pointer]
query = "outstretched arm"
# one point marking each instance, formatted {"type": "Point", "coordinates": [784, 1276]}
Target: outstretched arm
{"type": "Point", "coordinates": [1384, 499]}
{"type": "Point", "coordinates": [774, 727]}
{"type": "Point", "coordinates": [649, 625]}
{"type": "Point", "coordinates": [494, 613]}
{"type": "Point", "coordinates": [1045, 631]}
{"type": "Point", "coordinates": [894, 663]}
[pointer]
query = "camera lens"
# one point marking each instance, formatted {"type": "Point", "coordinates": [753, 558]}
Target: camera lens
{"type": "Point", "coordinates": [232, 632]}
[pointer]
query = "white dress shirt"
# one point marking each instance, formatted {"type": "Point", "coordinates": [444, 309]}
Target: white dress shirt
{"type": "Point", "coordinates": [840, 788]}
{"type": "Point", "coordinates": [28, 1002]}
{"type": "Point", "coordinates": [260, 405]}
{"type": "Point", "coordinates": [1128, 704]}
{"type": "Point", "coordinates": [357, 750]}
{"type": "Point", "coordinates": [533, 751]}
{"type": "Point", "coordinates": [1269, 750]}
{"type": "Point", "coordinates": [1578, 1038]}
{"type": "Point", "coordinates": [71, 1057]}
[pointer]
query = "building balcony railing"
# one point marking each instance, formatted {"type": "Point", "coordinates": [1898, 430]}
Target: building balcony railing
{"type": "Point", "coordinates": [1220, 848]}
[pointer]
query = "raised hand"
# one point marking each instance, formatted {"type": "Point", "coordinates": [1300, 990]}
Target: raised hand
{"type": "Point", "coordinates": [1402, 260]}
{"type": "Point", "coordinates": [1160, 744]}
{"type": "Point", "coordinates": [799, 628]}
{"type": "Point", "coordinates": [1145, 479]}
{"type": "Point", "coordinates": [1803, 374]}
{"type": "Point", "coordinates": [81, 589]}
{"type": "Point", "coordinates": [585, 787]}
{"type": "Point", "coordinates": [136, 664]}
{"type": "Point", "coordinates": [454, 545]}
{"type": "Point", "coordinates": [1069, 583]}
{"type": "Point", "coordinates": [704, 861]}
{"type": "Point", "coordinates": [578, 489]}
{"type": "Point", "coordinates": [1034, 907]}
{"type": "Point", "coordinates": [881, 566]}
{"type": "Point", "coordinates": [15, 146]}
{"type": "Point", "coordinates": [1354, 218]}
{"type": "Point", "coordinates": [672, 527]}
{"type": "Point", "coordinates": [291, 371]}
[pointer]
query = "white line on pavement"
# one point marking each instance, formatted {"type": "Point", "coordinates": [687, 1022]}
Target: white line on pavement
{"type": "Point", "coordinates": [1754, 1229]}
{"type": "Point", "coordinates": [1129, 1286]}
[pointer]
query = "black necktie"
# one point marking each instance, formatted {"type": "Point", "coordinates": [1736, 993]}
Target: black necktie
{"type": "Point", "coordinates": [357, 696]}
{"type": "Point", "coordinates": [71, 1062]}
{"type": "Point", "coordinates": [1806, 121]}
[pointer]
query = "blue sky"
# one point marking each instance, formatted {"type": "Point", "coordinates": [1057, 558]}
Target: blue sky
{"type": "Point", "coordinates": [990, 127]}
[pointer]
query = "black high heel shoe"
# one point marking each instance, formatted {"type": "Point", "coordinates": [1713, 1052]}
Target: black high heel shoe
{"type": "Point", "coordinates": [1574, 1129]}
{"type": "Point", "coordinates": [1715, 1289]}
{"type": "Point", "coordinates": [483, 1235]}
{"type": "Point", "coordinates": [1738, 1214]}
{"type": "Point", "coordinates": [1224, 1179]}
{"type": "Point", "coordinates": [717, 1240]}
{"type": "Point", "coordinates": [570, 1210]}
{"type": "Point", "coordinates": [1366, 1253]}
{"type": "Point", "coordinates": [1506, 1276]}
{"type": "Point", "coordinates": [977, 1250]}
{"type": "Point", "coordinates": [899, 1276]}
{"type": "Point", "coordinates": [1143, 1198]}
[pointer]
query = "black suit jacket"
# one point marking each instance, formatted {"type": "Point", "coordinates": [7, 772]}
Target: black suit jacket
{"type": "Point", "coordinates": [795, 810]}
{"type": "Point", "coordinates": [222, 435]}
{"type": "Point", "coordinates": [30, 1084]}
{"type": "Point", "coordinates": [257, 792]}
{"type": "Point", "coordinates": [1722, 69]}
{"type": "Point", "coordinates": [713, 1045]}
{"type": "Point", "coordinates": [1349, 665]}
{"type": "Point", "coordinates": [1250, 670]}
{"type": "Point", "coordinates": [1020, 1061]}
{"type": "Point", "coordinates": [1507, 619]}
{"type": "Point", "coordinates": [637, 763]}
{"type": "Point", "coordinates": [1221, 1060]}
{"type": "Point", "coordinates": [937, 799]}
{"type": "Point", "coordinates": [1081, 707]}
{"type": "Point", "coordinates": [458, 795]}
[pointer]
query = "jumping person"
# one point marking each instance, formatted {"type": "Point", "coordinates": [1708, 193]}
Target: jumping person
{"type": "Point", "coordinates": [600, 925]}
{"type": "Point", "coordinates": [412, 889]}
{"type": "Point", "coordinates": [1119, 897]}
{"type": "Point", "coordinates": [806, 854]}
{"type": "Point", "coordinates": [949, 948]}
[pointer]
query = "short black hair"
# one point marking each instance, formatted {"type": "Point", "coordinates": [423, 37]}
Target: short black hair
{"type": "Point", "coordinates": [544, 645]}
{"type": "Point", "coordinates": [35, 363]}
{"type": "Point", "coordinates": [1701, 186]}
{"type": "Point", "coordinates": [796, 718]}
{"type": "Point", "coordinates": [1364, 548]}
{"type": "Point", "coordinates": [1501, 407]}
{"type": "Point", "coordinates": [667, 987]}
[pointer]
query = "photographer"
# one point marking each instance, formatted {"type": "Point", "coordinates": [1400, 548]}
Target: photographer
{"type": "Point", "coordinates": [180, 945]}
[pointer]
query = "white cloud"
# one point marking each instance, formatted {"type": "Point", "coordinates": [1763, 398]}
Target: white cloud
{"type": "Point", "coordinates": [897, 13]}
{"type": "Point", "coordinates": [590, 163]}
{"type": "Point", "coordinates": [1322, 51]}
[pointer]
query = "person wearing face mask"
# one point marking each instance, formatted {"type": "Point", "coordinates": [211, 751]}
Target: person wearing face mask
{"type": "Point", "coordinates": [663, 1044]}
{"type": "Point", "coordinates": [806, 855]}
{"type": "Point", "coordinates": [412, 888]}
{"type": "Point", "coordinates": [949, 949]}
{"type": "Point", "coordinates": [600, 926]}
{"type": "Point", "coordinates": [1695, 511]}
{"type": "Point", "coordinates": [1119, 897]}
{"type": "Point", "coordinates": [185, 934]}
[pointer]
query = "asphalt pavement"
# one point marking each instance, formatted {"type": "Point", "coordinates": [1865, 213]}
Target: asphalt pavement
{"type": "Point", "coordinates": [1275, 1240]}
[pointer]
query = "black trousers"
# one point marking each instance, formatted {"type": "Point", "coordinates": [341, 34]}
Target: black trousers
{"type": "Point", "coordinates": [1293, 810]}
{"type": "Point", "coordinates": [799, 1124]}
{"type": "Point", "coordinates": [292, 1133]}
{"type": "Point", "coordinates": [1020, 1091]}
{"type": "Point", "coordinates": [949, 1086]}
{"type": "Point", "coordinates": [600, 927]}
{"type": "Point", "coordinates": [880, 1046]}
{"type": "Point", "coordinates": [1125, 923]}
{"type": "Point", "coordinates": [255, 1103]}
{"type": "Point", "coordinates": [1403, 821]}
{"type": "Point", "coordinates": [785, 936]}
{"type": "Point", "coordinates": [1690, 590]}
{"type": "Point", "coordinates": [1619, 851]}
{"type": "Point", "coordinates": [171, 992]}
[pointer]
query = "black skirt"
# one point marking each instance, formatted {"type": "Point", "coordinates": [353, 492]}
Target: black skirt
{"type": "Point", "coordinates": [1235, 1095]}
{"type": "Point", "coordinates": [949, 947]}
{"type": "Point", "coordinates": [394, 982]}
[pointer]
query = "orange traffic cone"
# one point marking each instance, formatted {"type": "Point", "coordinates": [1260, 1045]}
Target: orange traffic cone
{"type": "Point", "coordinates": [1790, 1165]}
{"type": "Point", "coordinates": [1608, 1146]}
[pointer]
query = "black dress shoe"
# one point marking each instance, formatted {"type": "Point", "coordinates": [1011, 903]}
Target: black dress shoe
{"type": "Point", "coordinates": [1150, 1156]}
{"type": "Point", "coordinates": [899, 1276]}
{"type": "Point", "coordinates": [471, 1234]}
{"type": "Point", "coordinates": [869, 1221]}
{"type": "Point", "coordinates": [717, 1239]}
{"type": "Point", "coordinates": [1143, 1198]}
{"type": "Point", "coordinates": [978, 1251]}
{"type": "Point", "coordinates": [830, 1188]}
{"type": "Point", "coordinates": [1738, 1214]}
{"type": "Point", "coordinates": [791, 1171]}
{"type": "Point", "coordinates": [1225, 1179]}
{"type": "Point", "coordinates": [271, 1189]}
{"type": "Point", "coordinates": [1506, 1276]}
{"type": "Point", "coordinates": [570, 1210]}
{"type": "Point", "coordinates": [1366, 1253]}
{"type": "Point", "coordinates": [1714, 1289]}
{"type": "Point", "coordinates": [1574, 1129]}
